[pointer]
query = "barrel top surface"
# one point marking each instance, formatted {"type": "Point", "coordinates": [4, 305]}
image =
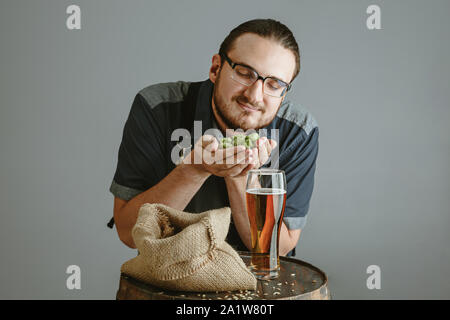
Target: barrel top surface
{"type": "Point", "coordinates": [297, 280]}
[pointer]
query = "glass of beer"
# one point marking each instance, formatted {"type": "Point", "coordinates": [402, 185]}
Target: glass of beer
{"type": "Point", "coordinates": [266, 199]}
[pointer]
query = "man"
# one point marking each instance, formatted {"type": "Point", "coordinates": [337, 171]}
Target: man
{"type": "Point", "coordinates": [247, 86]}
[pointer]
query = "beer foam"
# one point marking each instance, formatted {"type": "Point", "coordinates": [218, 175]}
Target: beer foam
{"type": "Point", "coordinates": [266, 191]}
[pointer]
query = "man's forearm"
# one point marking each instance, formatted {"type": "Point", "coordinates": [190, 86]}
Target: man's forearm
{"type": "Point", "coordinates": [176, 191]}
{"type": "Point", "coordinates": [288, 239]}
{"type": "Point", "coordinates": [238, 205]}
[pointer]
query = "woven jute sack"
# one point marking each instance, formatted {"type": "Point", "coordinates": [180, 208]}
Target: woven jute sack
{"type": "Point", "coordinates": [184, 251]}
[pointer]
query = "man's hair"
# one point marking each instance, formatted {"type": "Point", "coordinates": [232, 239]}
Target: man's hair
{"type": "Point", "coordinates": [266, 28]}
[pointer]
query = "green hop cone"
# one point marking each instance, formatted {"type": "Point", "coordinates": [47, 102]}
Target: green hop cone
{"type": "Point", "coordinates": [239, 140]}
{"type": "Point", "coordinates": [225, 143]}
{"type": "Point", "coordinates": [253, 136]}
{"type": "Point", "coordinates": [250, 140]}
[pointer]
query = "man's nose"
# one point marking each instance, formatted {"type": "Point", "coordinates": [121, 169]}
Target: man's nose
{"type": "Point", "coordinates": [254, 93]}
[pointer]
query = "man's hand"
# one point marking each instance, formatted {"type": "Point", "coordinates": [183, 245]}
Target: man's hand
{"type": "Point", "coordinates": [230, 162]}
{"type": "Point", "coordinates": [261, 154]}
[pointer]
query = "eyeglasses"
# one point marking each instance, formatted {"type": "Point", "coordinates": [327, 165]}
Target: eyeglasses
{"type": "Point", "coordinates": [247, 76]}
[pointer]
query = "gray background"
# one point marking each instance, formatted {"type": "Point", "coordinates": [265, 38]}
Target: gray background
{"type": "Point", "coordinates": [381, 99]}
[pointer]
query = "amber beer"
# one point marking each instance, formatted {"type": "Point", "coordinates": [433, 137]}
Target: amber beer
{"type": "Point", "coordinates": [265, 208]}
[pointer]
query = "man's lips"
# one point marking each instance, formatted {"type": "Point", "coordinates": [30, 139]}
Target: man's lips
{"type": "Point", "coordinates": [247, 107]}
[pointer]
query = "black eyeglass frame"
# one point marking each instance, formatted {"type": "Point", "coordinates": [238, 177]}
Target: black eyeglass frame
{"type": "Point", "coordinates": [234, 64]}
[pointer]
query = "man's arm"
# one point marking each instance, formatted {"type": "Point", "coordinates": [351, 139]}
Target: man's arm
{"type": "Point", "coordinates": [236, 193]}
{"type": "Point", "coordinates": [178, 188]}
{"type": "Point", "coordinates": [175, 190]}
{"type": "Point", "coordinates": [288, 239]}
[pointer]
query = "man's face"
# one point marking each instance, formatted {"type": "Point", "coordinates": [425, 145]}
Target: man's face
{"type": "Point", "coordinates": [238, 106]}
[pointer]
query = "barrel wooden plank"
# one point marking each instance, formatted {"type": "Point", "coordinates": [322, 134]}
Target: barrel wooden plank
{"type": "Point", "coordinates": [298, 280]}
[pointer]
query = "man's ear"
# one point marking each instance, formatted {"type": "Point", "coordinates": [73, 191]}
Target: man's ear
{"type": "Point", "coordinates": [215, 68]}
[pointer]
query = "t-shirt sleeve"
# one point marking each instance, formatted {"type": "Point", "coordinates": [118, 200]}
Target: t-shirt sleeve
{"type": "Point", "coordinates": [141, 161]}
{"type": "Point", "coordinates": [299, 164]}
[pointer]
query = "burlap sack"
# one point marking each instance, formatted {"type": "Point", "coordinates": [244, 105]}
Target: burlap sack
{"type": "Point", "coordinates": [186, 252]}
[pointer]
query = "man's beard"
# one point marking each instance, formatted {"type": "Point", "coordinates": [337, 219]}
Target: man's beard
{"type": "Point", "coordinates": [230, 123]}
{"type": "Point", "coordinates": [239, 121]}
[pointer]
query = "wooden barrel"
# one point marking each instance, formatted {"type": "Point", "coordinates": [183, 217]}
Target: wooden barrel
{"type": "Point", "coordinates": [297, 280]}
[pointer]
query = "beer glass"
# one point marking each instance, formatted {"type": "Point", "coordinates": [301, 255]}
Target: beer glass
{"type": "Point", "coordinates": [266, 199]}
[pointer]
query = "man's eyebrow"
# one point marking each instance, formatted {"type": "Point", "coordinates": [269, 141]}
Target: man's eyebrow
{"type": "Point", "coordinates": [271, 76]}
